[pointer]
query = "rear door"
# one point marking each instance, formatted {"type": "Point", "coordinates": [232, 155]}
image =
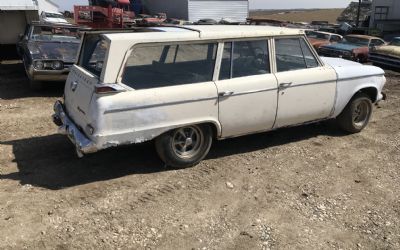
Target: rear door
{"type": "Point", "coordinates": [306, 88]}
{"type": "Point", "coordinates": [247, 91]}
{"type": "Point", "coordinates": [83, 77]}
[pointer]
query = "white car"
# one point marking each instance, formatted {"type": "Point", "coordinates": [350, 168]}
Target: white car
{"type": "Point", "coordinates": [185, 86]}
{"type": "Point", "coordinates": [52, 17]}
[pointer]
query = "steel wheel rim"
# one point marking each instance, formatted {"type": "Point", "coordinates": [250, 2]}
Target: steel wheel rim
{"type": "Point", "coordinates": [361, 113]}
{"type": "Point", "coordinates": [187, 142]}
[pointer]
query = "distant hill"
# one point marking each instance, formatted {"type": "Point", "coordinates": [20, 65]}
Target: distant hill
{"type": "Point", "coordinates": [299, 15]}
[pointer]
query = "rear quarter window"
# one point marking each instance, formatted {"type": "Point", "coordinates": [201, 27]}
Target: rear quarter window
{"type": "Point", "coordinates": [153, 66]}
{"type": "Point", "coordinates": [93, 54]}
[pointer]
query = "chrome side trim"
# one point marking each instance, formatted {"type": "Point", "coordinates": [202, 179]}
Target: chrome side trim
{"type": "Point", "coordinates": [184, 101]}
{"type": "Point", "coordinates": [253, 91]}
{"type": "Point", "coordinates": [158, 105]}
{"type": "Point", "coordinates": [359, 77]}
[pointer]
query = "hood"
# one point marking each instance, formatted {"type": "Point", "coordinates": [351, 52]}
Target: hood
{"type": "Point", "coordinates": [388, 50]}
{"type": "Point", "coordinates": [64, 51]}
{"type": "Point", "coordinates": [344, 46]}
{"type": "Point", "coordinates": [347, 69]}
{"type": "Point", "coordinates": [55, 20]}
{"type": "Point", "coordinates": [339, 62]}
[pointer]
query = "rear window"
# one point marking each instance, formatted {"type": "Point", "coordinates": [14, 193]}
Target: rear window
{"type": "Point", "coordinates": [153, 66]}
{"type": "Point", "coordinates": [93, 54]}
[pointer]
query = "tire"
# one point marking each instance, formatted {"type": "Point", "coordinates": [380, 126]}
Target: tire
{"type": "Point", "coordinates": [184, 147]}
{"type": "Point", "coordinates": [356, 114]}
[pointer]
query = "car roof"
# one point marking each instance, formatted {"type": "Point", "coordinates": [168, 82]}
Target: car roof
{"type": "Point", "coordinates": [214, 31]}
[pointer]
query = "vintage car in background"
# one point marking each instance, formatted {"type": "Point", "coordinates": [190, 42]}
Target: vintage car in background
{"type": "Point", "coordinates": [51, 17]}
{"type": "Point", "coordinates": [320, 38]}
{"type": "Point", "coordinates": [353, 47]}
{"type": "Point", "coordinates": [48, 51]}
{"type": "Point", "coordinates": [188, 85]}
{"type": "Point", "coordinates": [387, 55]}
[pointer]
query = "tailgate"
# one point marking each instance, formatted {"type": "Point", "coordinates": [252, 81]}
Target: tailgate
{"type": "Point", "coordinates": [78, 93]}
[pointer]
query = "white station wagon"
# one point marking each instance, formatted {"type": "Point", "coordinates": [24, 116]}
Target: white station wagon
{"type": "Point", "coordinates": [185, 86]}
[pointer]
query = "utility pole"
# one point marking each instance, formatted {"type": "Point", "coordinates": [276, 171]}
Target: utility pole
{"type": "Point", "coordinates": [358, 13]}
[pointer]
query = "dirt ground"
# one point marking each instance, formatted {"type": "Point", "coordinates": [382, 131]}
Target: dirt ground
{"type": "Point", "coordinates": [308, 187]}
{"type": "Point", "coordinates": [329, 15]}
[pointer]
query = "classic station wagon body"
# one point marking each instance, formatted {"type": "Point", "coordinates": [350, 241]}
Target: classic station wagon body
{"type": "Point", "coordinates": [184, 86]}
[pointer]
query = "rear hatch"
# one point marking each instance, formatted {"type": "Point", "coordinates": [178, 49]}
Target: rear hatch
{"type": "Point", "coordinates": [83, 77]}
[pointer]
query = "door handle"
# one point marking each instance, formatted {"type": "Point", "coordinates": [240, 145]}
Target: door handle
{"type": "Point", "coordinates": [225, 93]}
{"type": "Point", "coordinates": [285, 85]}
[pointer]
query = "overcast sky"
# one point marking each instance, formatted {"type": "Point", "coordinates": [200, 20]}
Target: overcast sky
{"type": "Point", "coordinates": [254, 4]}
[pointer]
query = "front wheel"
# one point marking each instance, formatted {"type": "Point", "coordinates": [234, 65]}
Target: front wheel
{"type": "Point", "coordinates": [356, 114]}
{"type": "Point", "coordinates": [184, 147]}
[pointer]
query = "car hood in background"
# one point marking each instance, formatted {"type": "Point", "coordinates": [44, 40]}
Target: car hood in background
{"type": "Point", "coordinates": [55, 20]}
{"type": "Point", "coordinates": [388, 50]}
{"type": "Point", "coordinates": [64, 51]}
{"type": "Point", "coordinates": [344, 46]}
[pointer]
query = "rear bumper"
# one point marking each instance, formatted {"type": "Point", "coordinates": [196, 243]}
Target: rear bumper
{"type": "Point", "coordinates": [67, 127]}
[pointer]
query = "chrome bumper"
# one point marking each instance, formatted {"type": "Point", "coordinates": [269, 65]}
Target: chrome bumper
{"type": "Point", "coordinates": [48, 75]}
{"type": "Point", "coordinates": [67, 127]}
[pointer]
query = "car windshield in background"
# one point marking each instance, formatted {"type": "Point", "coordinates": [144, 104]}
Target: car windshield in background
{"type": "Point", "coordinates": [55, 33]}
{"type": "Point", "coordinates": [356, 40]}
{"type": "Point", "coordinates": [395, 42]}
{"type": "Point", "coordinates": [317, 35]}
{"type": "Point", "coordinates": [54, 15]}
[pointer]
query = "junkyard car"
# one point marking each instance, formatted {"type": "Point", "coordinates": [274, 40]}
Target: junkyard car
{"type": "Point", "coordinates": [387, 55]}
{"type": "Point", "coordinates": [48, 51]}
{"type": "Point", "coordinates": [353, 47]}
{"type": "Point", "coordinates": [51, 17]}
{"type": "Point", "coordinates": [189, 85]}
{"type": "Point", "coordinates": [320, 38]}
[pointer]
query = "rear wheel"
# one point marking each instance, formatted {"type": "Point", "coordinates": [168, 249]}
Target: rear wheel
{"type": "Point", "coordinates": [356, 115]}
{"type": "Point", "coordinates": [184, 147]}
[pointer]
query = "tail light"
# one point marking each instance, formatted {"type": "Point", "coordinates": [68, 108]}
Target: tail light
{"type": "Point", "coordinates": [105, 90]}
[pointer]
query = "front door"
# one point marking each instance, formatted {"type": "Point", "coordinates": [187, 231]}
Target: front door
{"type": "Point", "coordinates": [247, 91]}
{"type": "Point", "coordinates": [306, 89]}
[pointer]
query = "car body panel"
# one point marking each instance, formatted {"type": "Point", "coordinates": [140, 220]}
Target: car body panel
{"type": "Point", "coordinates": [129, 116]}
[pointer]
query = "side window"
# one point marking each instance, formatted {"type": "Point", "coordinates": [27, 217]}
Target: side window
{"type": "Point", "coordinates": [168, 65]}
{"type": "Point", "coordinates": [245, 58]}
{"type": "Point", "coordinates": [293, 54]}
{"type": "Point", "coordinates": [376, 42]}
{"type": "Point", "coordinates": [311, 62]}
{"type": "Point", "coordinates": [335, 38]}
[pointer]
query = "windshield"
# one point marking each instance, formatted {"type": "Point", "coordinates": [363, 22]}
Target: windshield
{"type": "Point", "coordinates": [93, 54]}
{"type": "Point", "coordinates": [356, 40]}
{"type": "Point", "coordinates": [54, 15]}
{"type": "Point", "coordinates": [317, 35]}
{"type": "Point", "coordinates": [54, 33]}
{"type": "Point", "coordinates": [395, 42]}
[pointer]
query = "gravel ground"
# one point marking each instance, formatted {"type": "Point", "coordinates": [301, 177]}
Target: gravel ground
{"type": "Point", "coordinates": [307, 187]}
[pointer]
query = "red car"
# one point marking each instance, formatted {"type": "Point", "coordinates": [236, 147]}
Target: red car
{"type": "Point", "coordinates": [353, 47]}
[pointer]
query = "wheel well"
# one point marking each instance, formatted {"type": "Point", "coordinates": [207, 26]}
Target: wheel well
{"type": "Point", "coordinates": [213, 128]}
{"type": "Point", "coordinates": [371, 92]}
